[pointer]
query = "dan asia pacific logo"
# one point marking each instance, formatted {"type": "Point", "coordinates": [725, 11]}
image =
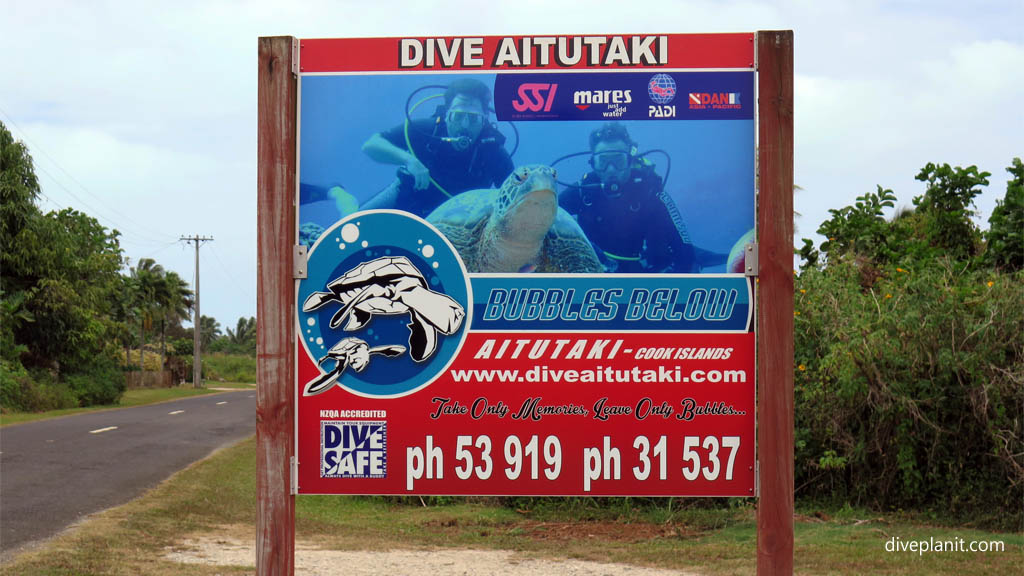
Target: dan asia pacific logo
{"type": "Point", "coordinates": [383, 310]}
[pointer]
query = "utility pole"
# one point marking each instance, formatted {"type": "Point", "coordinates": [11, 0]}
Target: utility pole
{"type": "Point", "coordinates": [197, 363]}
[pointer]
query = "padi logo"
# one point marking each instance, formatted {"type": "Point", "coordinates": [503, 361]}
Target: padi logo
{"type": "Point", "coordinates": [353, 449]}
{"type": "Point", "coordinates": [661, 88]}
{"type": "Point", "coordinates": [383, 307]}
{"type": "Point", "coordinates": [583, 99]}
{"type": "Point", "coordinates": [668, 111]}
{"type": "Point", "coordinates": [715, 101]}
{"type": "Point", "coordinates": [535, 97]}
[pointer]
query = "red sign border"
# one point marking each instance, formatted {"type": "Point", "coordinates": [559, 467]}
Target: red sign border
{"type": "Point", "coordinates": [685, 51]}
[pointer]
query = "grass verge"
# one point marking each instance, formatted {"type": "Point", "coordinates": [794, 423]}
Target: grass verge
{"type": "Point", "coordinates": [130, 398]}
{"type": "Point", "coordinates": [217, 498]}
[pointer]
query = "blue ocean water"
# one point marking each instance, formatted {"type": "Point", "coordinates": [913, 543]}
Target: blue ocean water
{"type": "Point", "coordinates": [712, 161]}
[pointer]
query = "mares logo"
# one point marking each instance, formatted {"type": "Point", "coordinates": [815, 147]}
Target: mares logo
{"type": "Point", "coordinates": [582, 99]}
{"type": "Point", "coordinates": [532, 98]}
{"type": "Point", "coordinates": [353, 449]}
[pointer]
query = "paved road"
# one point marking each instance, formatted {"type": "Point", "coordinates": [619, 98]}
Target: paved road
{"type": "Point", "coordinates": [56, 471]}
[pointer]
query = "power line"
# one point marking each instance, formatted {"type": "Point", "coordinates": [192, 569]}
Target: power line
{"type": "Point", "coordinates": [99, 214]}
{"type": "Point", "coordinates": [113, 225]}
{"type": "Point", "coordinates": [228, 274]}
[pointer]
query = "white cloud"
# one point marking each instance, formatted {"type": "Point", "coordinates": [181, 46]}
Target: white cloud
{"type": "Point", "coordinates": [154, 108]}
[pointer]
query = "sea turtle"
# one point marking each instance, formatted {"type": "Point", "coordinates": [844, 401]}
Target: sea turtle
{"type": "Point", "coordinates": [347, 352]}
{"type": "Point", "coordinates": [389, 286]}
{"type": "Point", "coordinates": [518, 228]}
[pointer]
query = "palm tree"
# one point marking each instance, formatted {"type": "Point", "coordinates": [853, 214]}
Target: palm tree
{"type": "Point", "coordinates": [210, 331]}
{"type": "Point", "coordinates": [244, 335]}
{"type": "Point", "coordinates": [148, 277]}
{"type": "Point", "coordinates": [125, 312]}
{"type": "Point", "coordinates": [175, 301]}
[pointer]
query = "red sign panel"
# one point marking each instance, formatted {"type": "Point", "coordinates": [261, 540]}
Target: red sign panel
{"type": "Point", "coordinates": [522, 266]}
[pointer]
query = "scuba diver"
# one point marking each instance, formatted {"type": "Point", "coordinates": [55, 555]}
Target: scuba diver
{"type": "Point", "coordinates": [455, 150]}
{"type": "Point", "coordinates": [622, 207]}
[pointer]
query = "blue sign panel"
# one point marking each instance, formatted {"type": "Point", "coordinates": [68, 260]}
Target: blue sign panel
{"type": "Point", "coordinates": [625, 96]}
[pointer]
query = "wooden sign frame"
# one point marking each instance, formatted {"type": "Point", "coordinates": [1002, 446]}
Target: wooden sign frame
{"type": "Point", "coordinates": [276, 187]}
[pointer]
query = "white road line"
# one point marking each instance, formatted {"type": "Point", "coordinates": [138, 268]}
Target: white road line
{"type": "Point", "coordinates": [107, 429]}
{"type": "Point", "coordinates": [219, 403]}
{"type": "Point", "coordinates": [175, 412]}
{"type": "Point", "coordinates": [250, 396]}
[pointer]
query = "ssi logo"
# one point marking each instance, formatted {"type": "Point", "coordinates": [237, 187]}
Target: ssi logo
{"type": "Point", "coordinates": [353, 449]}
{"type": "Point", "coordinates": [535, 97]}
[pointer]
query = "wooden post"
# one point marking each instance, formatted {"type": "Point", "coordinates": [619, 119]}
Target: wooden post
{"type": "Point", "coordinates": [275, 313]}
{"type": "Point", "coordinates": [775, 302]}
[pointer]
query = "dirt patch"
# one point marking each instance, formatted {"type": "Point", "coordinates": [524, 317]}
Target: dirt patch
{"type": "Point", "coordinates": [567, 531]}
{"type": "Point", "coordinates": [313, 561]}
{"type": "Point", "coordinates": [604, 531]}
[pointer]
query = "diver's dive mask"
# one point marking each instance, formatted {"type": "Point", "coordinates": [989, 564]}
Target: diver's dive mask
{"type": "Point", "coordinates": [611, 160]}
{"type": "Point", "coordinates": [463, 127]}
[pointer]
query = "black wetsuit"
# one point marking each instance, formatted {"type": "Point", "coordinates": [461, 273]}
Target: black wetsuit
{"type": "Point", "coordinates": [484, 164]}
{"type": "Point", "coordinates": [639, 230]}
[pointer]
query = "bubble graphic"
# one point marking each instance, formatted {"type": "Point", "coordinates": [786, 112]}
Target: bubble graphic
{"type": "Point", "coordinates": [435, 264]}
{"type": "Point", "coordinates": [349, 232]}
{"type": "Point", "coordinates": [341, 246]}
{"type": "Point", "coordinates": [365, 243]}
{"type": "Point", "coordinates": [311, 322]}
{"type": "Point", "coordinates": [320, 341]}
{"type": "Point", "coordinates": [428, 251]}
{"type": "Point", "coordinates": [420, 241]}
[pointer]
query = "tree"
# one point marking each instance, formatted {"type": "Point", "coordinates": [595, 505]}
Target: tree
{"type": "Point", "coordinates": [209, 331]}
{"type": "Point", "coordinates": [176, 301]}
{"type": "Point", "coordinates": [947, 206]}
{"type": "Point", "coordinates": [908, 355]}
{"type": "Point", "coordinates": [149, 281]}
{"type": "Point", "coordinates": [243, 338]}
{"type": "Point", "coordinates": [1006, 225]}
{"type": "Point", "coordinates": [19, 189]}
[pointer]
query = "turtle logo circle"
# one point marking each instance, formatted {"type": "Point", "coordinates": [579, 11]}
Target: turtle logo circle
{"type": "Point", "coordinates": [382, 312]}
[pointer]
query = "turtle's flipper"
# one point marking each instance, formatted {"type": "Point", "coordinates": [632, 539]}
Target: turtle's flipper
{"type": "Point", "coordinates": [393, 350]}
{"type": "Point", "coordinates": [439, 310]}
{"type": "Point", "coordinates": [324, 382]}
{"type": "Point", "coordinates": [357, 319]}
{"type": "Point", "coordinates": [345, 310]}
{"type": "Point", "coordinates": [422, 339]}
{"type": "Point", "coordinates": [318, 299]}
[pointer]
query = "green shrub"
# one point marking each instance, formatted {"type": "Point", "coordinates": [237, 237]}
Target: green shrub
{"type": "Point", "coordinates": [229, 368]}
{"type": "Point", "coordinates": [101, 383]}
{"type": "Point", "coordinates": [22, 391]}
{"type": "Point", "coordinates": [908, 391]}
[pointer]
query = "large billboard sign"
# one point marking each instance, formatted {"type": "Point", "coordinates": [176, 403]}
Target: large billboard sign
{"type": "Point", "coordinates": [525, 266]}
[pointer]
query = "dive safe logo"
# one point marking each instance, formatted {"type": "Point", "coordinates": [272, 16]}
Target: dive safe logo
{"type": "Point", "coordinates": [353, 449]}
{"type": "Point", "coordinates": [383, 310]}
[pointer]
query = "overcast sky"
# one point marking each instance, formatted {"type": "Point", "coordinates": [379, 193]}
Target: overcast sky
{"type": "Point", "coordinates": [145, 117]}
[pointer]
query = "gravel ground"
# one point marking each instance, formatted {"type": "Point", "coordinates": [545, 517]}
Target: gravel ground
{"type": "Point", "coordinates": [310, 561]}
